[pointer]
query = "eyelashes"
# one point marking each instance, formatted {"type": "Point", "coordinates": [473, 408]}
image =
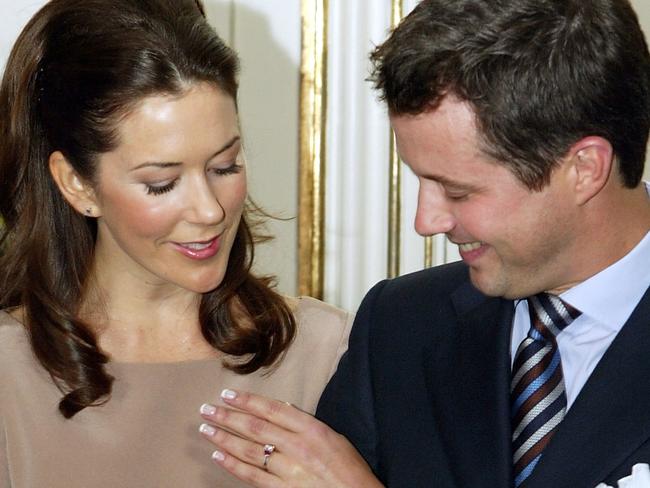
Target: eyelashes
{"type": "Point", "coordinates": [162, 189]}
{"type": "Point", "coordinates": [457, 198]}
{"type": "Point", "coordinates": [230, 170]}
{"type": "Point", "coordinates": [159, 190]}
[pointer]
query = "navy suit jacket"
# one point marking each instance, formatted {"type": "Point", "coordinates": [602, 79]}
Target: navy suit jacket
{"type": "Point", "coordinates": [423, 392]}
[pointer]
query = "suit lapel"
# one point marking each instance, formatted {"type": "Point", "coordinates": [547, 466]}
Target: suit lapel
{"type": "Point", "coordinates": [609, 419]}
{"type": "Point", "coordinates": [471, 401]}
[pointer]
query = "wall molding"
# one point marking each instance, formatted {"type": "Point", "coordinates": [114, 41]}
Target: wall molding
{"type": "Point", "coordinates": [313, 119]}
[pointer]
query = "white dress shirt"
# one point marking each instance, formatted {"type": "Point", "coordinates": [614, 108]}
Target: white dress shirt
{"type": "Point", "coordinates": [606, 301]}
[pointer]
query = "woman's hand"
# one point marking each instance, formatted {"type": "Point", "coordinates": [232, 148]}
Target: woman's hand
{"type": "Point", "coordinates": [278, 445]}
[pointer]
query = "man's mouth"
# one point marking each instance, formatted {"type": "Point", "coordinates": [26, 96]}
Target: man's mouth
{"type": "Point", "coordinates": [469, 246]}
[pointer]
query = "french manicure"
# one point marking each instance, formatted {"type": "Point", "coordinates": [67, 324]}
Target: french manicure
{"type": "Point", "coordinates": [228, 394]}
{"type": "Point", "coordinates": [218, 456]}
{"type": "Point", "coordinates": [207, 430]}
{"type": "Point", "coordinates": [207, 409]}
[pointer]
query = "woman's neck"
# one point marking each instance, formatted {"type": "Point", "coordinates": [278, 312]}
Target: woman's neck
{"type": "Point", "coordinates": [145, 323]}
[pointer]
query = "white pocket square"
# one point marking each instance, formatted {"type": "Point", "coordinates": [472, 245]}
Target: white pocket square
{"type": "Point", "coordinates": [640, 478]}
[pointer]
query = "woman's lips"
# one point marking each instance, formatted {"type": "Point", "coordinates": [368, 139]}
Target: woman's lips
{"type": "Point", "coordinates": [198, 250]}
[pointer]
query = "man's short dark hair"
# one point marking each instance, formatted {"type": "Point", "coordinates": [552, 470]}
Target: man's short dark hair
{"type": "Point", "coordinates": [539, 74]}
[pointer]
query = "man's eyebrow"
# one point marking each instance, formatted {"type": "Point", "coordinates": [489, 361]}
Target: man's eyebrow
{"type": "Point", "coordinates": [167, 164]}
{"type": "Point", "coordinates": [456, 185]}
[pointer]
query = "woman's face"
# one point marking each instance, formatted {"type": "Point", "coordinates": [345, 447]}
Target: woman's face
{"type": "Point", "coordinates": [171, 194]}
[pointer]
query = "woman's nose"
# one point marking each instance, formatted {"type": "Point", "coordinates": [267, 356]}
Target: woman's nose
{"type": "Point", "coordinates": [204, 206]}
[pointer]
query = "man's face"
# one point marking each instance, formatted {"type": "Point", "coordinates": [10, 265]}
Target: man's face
{"type": "Point", "coordinates": [516, 242]}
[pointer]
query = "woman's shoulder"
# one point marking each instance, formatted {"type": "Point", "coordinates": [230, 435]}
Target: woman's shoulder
{"type": "Point", "coordinates": [316, 315]}
{"type": "Point", "coordinates": [321, 324]}
{"type": "Point", "coordinates": [12, 332]}
{"type": "Point", "coordinates": [310, 361]}
{"type": "Point", "coordinates": [14, 343]}
{"type": "Point", "coordinates": [309, 307]}
{"type": "Point", "coordinates": [16, 358]}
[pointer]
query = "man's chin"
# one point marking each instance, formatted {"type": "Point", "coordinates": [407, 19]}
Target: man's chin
{"type": "Point", "coordinates": [492, 286]}
{"type": "Point", "coordinates": [488, 285]}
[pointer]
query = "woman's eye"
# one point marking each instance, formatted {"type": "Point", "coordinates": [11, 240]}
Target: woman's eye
{"type": "Point", "coordinates": [230, 170]}
{"type": "Point", "coordinates": [160, 189]}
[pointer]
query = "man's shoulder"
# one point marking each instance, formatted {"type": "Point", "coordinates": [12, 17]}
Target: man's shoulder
{"type": "Point", "coordinates": [439, 282]}
{"type": "Point", "coordinates": [444, 274]}
{"type": "Point", "coordinates": [420, 302]}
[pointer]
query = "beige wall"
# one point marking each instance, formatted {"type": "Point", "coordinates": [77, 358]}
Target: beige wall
{"type": "Point", "coordinates": [642, 8]}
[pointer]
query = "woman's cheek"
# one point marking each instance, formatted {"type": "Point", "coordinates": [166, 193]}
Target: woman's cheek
{"type": "Point", "coordinates": [150, 215]}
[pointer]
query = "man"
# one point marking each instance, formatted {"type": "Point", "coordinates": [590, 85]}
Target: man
{"type": "Point", "coordinates": [526, 123]}
{"type": "Point", "coordinates": [526, 364]}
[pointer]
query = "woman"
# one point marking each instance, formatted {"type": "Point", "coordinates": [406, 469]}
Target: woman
{"type": "Point", "coordinates": [126, 253]}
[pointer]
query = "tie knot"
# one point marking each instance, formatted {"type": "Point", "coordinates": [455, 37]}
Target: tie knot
{"type": "Point", "coordinates": [549, 315]}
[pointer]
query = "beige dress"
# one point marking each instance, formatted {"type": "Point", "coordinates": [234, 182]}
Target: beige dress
{"type": "Point", "coordinates": [147, 435]}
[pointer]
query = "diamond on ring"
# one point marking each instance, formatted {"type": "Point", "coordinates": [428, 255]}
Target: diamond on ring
{"type": "Point", "coordinates": [268, 450]}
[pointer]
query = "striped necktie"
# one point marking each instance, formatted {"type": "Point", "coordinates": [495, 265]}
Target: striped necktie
{"type": "Point", "coordinates": [537, 394]}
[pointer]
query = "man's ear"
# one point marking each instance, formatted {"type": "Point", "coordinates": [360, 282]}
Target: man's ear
{"type": "Point", "coordinates": [592, 160]}
{"type": "Point", "coordinates": [78, 192]}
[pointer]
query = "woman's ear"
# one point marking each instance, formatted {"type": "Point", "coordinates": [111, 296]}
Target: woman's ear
{"type": "Point", "coordinates": [78, 192]}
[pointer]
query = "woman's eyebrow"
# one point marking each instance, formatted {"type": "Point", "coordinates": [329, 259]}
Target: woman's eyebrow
{"type": "Point", "coordinates": [167, 164]}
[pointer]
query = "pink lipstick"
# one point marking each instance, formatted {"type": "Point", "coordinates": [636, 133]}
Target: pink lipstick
{"type": "Point", "coordinates": [198, 250]}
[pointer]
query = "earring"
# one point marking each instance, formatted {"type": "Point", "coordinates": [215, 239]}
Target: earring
{"type": "Point", "coordinates": [89, 211]}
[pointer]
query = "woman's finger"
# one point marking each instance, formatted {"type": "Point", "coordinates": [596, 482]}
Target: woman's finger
{"type": "Point", "coordinates": [250, 452]}
{"type": "Point", "coordinates": [246, 425]}
{"type": "Point", "coordinates": [308, 452]}
{"type": "Point", "coordinates": [279, 413]}
{"type": "Point", "coordinates": [298, 434]}
{"type": "Point", "coordinates": [261, 465]}
{"type": "Point", "coordinates": [248, 473]}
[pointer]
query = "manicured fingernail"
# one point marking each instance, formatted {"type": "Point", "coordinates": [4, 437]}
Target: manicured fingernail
{"type": "Point", "coordinates": [218, 456]}
{"type": "Point", "coordinates": [228, 394]}
{"type": "Point", "coordinates": [207, 409]}
{"type": "Point", "coordinates": [207, 430]}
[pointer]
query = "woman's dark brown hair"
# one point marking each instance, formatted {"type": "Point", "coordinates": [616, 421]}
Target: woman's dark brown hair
{"type": "Point", "coordinates": [77, 68]}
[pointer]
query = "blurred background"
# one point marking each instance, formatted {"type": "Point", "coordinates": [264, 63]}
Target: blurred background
{"type": "Point", "coordinates": [359, 242]}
